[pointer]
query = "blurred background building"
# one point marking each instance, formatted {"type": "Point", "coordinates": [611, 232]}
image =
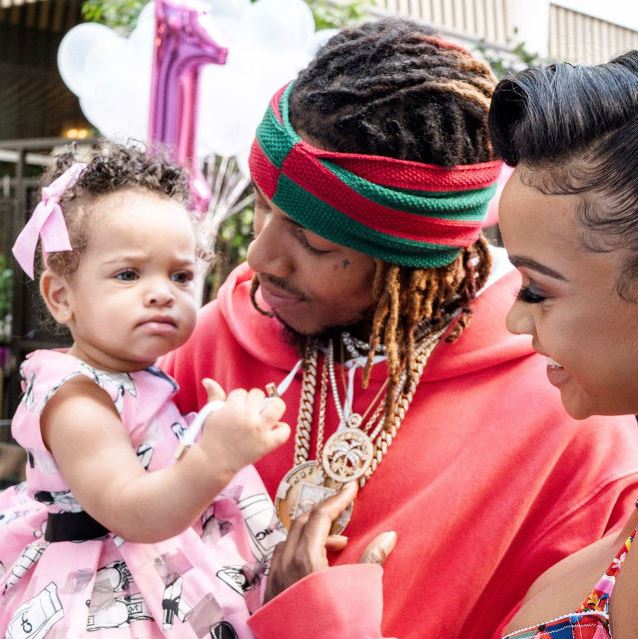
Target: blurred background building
{"type": "Point", "coordinates": [576, 31]}
{"type": "Point", "coordinates": [34, 102]}
{"type": "Point", "coordinates": [38, 113]}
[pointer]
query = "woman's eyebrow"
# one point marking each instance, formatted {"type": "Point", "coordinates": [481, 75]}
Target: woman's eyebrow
{"type": "Point", "coordinates": [526, 262]}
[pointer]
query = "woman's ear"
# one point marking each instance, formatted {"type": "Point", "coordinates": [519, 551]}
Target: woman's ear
{"type": "Point", "coordinates": [55, 292]}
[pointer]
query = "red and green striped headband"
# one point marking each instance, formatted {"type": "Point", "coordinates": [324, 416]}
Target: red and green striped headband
{"type": "Point", "coordinates": [402, 212]}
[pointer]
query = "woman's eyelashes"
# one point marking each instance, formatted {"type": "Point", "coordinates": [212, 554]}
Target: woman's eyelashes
{"type": "Point", "coordinates": [529, 295]}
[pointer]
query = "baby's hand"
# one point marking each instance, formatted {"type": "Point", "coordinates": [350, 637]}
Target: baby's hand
{"type": "Point", "coordinates": [244, 429]}
{"type": "Point", "coordinates": [213, 390]}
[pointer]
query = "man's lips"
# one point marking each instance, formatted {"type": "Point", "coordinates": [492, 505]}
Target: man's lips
{"type": "Point", "coordinates": [278, 298]}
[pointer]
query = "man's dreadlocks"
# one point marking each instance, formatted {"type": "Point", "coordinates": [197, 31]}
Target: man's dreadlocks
{"type": "Point", "coordinates": [392, 88]}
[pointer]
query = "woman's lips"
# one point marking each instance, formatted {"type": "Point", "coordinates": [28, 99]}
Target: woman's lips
{"type": "Point", "coordinates": [556, 374]}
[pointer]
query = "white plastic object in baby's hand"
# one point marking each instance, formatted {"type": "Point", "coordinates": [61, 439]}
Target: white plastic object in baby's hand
{"type": "Point", "coordinates": [189, 437]}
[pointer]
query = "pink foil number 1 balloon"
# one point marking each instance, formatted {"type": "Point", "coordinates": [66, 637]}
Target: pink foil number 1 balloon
{"type": "Point", "coordinates": [182, 46]}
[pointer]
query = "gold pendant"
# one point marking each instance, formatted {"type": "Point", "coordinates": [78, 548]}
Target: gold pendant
{"type": "Point", "coordinates": [304, 486]}
{"type": "Point", "coordinates": [347, 455]}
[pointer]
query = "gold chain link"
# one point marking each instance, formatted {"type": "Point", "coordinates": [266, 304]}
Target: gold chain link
{"type": "Point", "coordinates": [385, 437]}
{"type": "Point", "coordinates": [306, 404]}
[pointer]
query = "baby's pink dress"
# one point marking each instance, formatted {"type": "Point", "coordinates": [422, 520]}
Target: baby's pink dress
{"type": "Point", "coordinates": [204, 582]}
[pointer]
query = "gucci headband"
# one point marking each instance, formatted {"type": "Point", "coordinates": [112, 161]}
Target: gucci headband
{"type": "Point", "coordinates": [402, 212]}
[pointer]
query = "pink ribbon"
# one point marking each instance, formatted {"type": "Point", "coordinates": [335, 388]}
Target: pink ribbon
{"type": "Point", "coordinates": [47, 222]}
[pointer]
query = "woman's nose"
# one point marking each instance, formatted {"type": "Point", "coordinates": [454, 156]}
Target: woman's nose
{"type": "Point", "coordinates": [519, 319]}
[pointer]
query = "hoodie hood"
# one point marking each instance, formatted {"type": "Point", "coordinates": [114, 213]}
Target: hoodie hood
{"type": "Point", "coordinates": [483, 344]}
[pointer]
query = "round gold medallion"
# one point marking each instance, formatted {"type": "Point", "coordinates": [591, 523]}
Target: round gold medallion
{"type": "Point", "coordinates": [304, 486]}
{"type": "Point", "coordinates": [347, 455]}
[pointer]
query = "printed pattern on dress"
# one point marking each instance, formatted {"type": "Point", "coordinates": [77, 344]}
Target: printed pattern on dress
{"type": "Point", "coordinates": [204, 582]}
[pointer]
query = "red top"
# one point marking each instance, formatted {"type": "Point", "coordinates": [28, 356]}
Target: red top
{"type": "Point", "coordinates": [488, 483]}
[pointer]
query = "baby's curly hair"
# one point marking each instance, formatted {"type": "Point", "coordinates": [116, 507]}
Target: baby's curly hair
{"type": "Point", "coordinates": [111, 167]}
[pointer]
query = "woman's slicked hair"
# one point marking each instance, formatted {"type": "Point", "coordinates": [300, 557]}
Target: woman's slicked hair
{"type": "Point", "coordinates": [577, 128]}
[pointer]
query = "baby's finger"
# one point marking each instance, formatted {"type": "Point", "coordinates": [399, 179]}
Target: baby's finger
{"type": "Point", "coordinates": [214, 390]}
{"type": "Point", "coordinates": [237, 398]}
{"type": "Point", "coordinates": [379, 548]}
{"type": "Point", "coordinates": [272, 408]}
{"type": "Point", "coordinates": [279, 433]}
{"type": "Point", "coordinates": [255, 399]}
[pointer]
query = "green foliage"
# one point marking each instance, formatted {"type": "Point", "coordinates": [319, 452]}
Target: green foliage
{"type": "Point", "coordinates": [333, 14]}
{"type": "Point", "coordinates": [504, 62]}
{"type": "Point", "coordinates": [122, 14]}
{"type": "Point", "coordinates": [118, 14]}
{"type": "Point", "coordinates": [231, 246]}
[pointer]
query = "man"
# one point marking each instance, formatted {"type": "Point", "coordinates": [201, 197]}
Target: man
{"type": "Point", "coordinates": [372, 173]}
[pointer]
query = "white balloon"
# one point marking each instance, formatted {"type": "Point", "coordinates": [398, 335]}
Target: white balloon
{"type": "Point", "coordinates": [242, 162]}
{"type": "Point", "coordinates": [229, 111]}
{"type": "Point", "coordinates": [278, 68]}
{"type": "Point", "coordinates": [211, 26]}
{"type": "Point", "coordinates": [233, 9]}
{"type": "Point", "coordinates": [269, 41]}
{"type": "Point", "coordinates": [117, 96]}
{"type": "Point", "coordinates": [144, 31]}
{"type": "Point", "coordinates": [229, 15]}
{"type": "Point", "coordinates": [320, 38]}
{"type": "Point", "coordinates": [280, 24]}
{"type": "Point", "coordinates": [73, 52]}
{"type": "Point", "coordinates": [147, 14]}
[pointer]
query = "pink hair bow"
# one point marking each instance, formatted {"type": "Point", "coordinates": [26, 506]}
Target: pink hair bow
{"type": "Point", "coordinates": [47, 222]}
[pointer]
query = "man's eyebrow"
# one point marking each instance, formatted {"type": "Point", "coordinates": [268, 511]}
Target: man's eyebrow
{"type": "Point", "coordinates": [526, 262]}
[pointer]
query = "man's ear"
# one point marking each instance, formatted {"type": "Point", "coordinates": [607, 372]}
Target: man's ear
{"type": "Point", "coordinates": [54, 290]}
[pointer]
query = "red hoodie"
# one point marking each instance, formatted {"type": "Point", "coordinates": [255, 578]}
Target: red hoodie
{"type": "Point", "coordinates": [487, 483]}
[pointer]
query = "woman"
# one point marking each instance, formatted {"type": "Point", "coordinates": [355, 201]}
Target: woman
{"type": "Point", "coordinates": [569, 218]}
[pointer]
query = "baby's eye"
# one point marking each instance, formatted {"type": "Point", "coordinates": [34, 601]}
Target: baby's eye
{"type": "Point", "coordinates": [182, 277]}
{"type": "Point", "coordinates": [127, 275]}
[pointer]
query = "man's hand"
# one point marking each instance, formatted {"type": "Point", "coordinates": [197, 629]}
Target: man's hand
{"type": "Point", "coordinates": [309, 539]}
